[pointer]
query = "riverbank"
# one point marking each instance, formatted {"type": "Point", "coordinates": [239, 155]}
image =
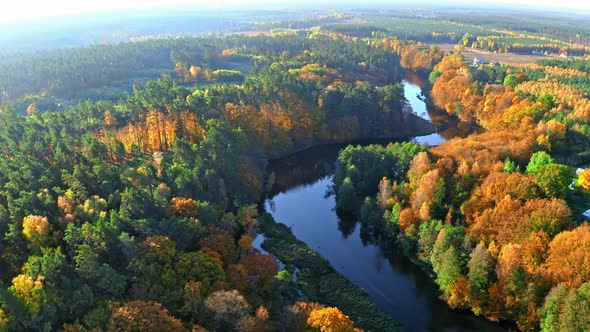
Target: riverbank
{"type": "Point", "coordinates": [414, 126]}
{"type": "Point", "coordinates": [319, 281]}
{"type": "Point", "coordinates": [316, 277]}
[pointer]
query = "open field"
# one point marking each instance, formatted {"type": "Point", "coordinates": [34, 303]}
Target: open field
{"type": "Point", "coordinates": [503, 58]}
{"type": "Point", "coordinates": [252, 33]}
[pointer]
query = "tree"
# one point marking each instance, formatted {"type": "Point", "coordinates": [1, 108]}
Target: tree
{"type": "Point", "coordinates": [260, 322]}
{"type": "Point", "coordinates": [447, 256]}
{"type": "Point", "coordinates": [511, 80]}
{"type": "Point", "coordinates": [407, 218]}
{"type": "Point", "coordinates": [567, 260]}
{"type": "Point", "coordinates": [434, 75]}
{"type": "Point", "coordinates": [510, 166]}
{"type": "Point", "coordinates": [552, 309]}
{"type": "Point", "coordinates": [193, 298]}
{"type": "Point", "coordinates": [6, 321]}
{"type": "Point", "coordinates": [247, 215]}
{"type": "Point", "coordinates": [238, 275]}
{"type": "Point", "coordinates": [298, 313]}
{"type": "Point", "coordinates": [538, 160]}
{"type": "Point", "coordinates": [547, 100]}
{"type": "Point", "coordinates": [330, 319]}
{"type": "Point", "coordinates": [346, 198]}
{"type": "Point", "coordinates": [137, 316]}
{"type": "Point", "coordinates": [228, 308]}
{"type": "Point", "coordinates": [576, 311]}
{"type": "Point", "coordinates": [551, 217]}
{"type": "Point", "coordinates": [553, 179]}
{"type": "Point", "coordinates": [369, 214]}
{"type": "Point", "coordinates": [459, 293]}
{"type": "Point", "coordinates": [87, 262]}
{"type": "Point", "coordinates": [261, 268]}
{"type": "Point", "coordinates": [29, 291]}
{"type": "Point", "coordinates": [222, 242]}
{"type": "Point", "coordinates": [36, 229]}
{"type": "Point", "coordinates": [184, 207]}
{"type": "Point", "coordinates": [384, 193]}
{"type": "Point", "coordinates": [428, 233]}
{"type": "Point", "coordinates": [584, 179]}
{"type": "Point", "coordinates": [481, 268]}
{"type": "Point", "coordinates": [198, 266]}
{"type": "Point", "coordinates": [566, 309]}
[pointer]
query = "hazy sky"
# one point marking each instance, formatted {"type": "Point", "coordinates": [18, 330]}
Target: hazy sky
{"type": "Point", "coordinates": [19, 10]}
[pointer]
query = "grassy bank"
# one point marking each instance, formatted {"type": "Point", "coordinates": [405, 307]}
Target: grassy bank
{"type": "Point", "coordinates": [320, 282]}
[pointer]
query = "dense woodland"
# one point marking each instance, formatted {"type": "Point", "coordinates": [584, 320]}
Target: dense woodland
{"type": "Point", "coordinates": [494, 216]}
{"type": "Point", "coordinates": [489, 30]}
{"type": "Point", "coordinates": [130, 173]}
{"type": "Point", "coordinates": [137, 214]}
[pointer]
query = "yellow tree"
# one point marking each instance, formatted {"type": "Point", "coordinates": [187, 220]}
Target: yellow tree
{"type": "Point", "coordinates": [29, 291]}
{"type": "Point", "coordinates": [584, 179]}
{"type": "Point", "coordinates": [36, 229]}
{"type": "Point", "coordinates": [330, 319]}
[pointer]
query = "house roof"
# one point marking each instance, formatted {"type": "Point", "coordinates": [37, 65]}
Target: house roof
{"type": "Point", "coordinates": [586, 213]}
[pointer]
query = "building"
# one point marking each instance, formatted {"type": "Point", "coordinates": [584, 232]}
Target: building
{"type": "Point", "coordinates": [586, 214]}
{"type": "Point", "coordinates": [479, 61]}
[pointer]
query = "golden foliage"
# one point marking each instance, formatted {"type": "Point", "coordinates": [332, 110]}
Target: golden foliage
{"type": "Point", "coordinates": [135, 316]}
{"type": "Point", "coordinates": [29, 291]}
{"type": "Point", "coordinates": [330, 319]}
{"type": "Point", "coordinates": [568, 260]}
{"type": "Point", "coordinates": [459, 293]}
{"type": "Point", "coordinates": [184, 207]}
{"type": "Point", "coordinates": [584, 179]}
{"type": "Point", "coordinates": [155, 131]}
{"type": "Point", "coordinates": [36, 229]}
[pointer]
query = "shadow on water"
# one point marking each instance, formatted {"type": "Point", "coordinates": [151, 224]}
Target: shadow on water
{"type": "Point", "coordinates": [301, 199]}
{"type": "Point", "coordinates": [395, 284]}
{"type": "Point", "coordinates": [306, 167]}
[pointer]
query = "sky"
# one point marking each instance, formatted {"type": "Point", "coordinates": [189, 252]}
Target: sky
{"type": "Point", "coordinates": [13, 11]}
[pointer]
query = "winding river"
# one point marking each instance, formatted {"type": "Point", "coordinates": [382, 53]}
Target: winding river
{"type": "Point", "coordinates": [300, 199]}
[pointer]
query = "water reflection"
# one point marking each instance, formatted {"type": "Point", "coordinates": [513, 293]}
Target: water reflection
{"type": "Point", "coordinates": [396, 285]}
{"type": "Point", "coordinates": [301, 198]}
{"type": "Point", "coordinates": [416, 101]}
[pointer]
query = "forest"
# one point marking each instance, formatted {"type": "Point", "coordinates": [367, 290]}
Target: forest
{"type": "Point", "coordinates": [495, 216]}
{"type": "Point", "coordinates": [139, 214]}
{"type": "Point", "coordinates": [131, 175]}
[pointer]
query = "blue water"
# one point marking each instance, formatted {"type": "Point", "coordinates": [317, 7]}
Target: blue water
{"type": "Point", "coordinates": [301, 200]}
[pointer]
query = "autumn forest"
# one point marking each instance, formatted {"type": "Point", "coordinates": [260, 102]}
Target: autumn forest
{"type": "Point", "coordinates": [133, 174]}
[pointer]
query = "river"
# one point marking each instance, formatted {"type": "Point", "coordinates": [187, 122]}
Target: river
{"type": "Point", "coordinates": [300, 198]}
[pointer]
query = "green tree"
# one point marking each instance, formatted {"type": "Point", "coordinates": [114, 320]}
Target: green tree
{"type": "Point", "coordinates": [511, 80]}
{"type": "Point", "coordinates": [547, 100]}
{"type": "Point", "coordinates": [553, 179]}
{"type": "Point", "coordinates": [481, 268]}
{"type": "Point", "coordinates": [346, 198]}
{"type": "Point", "coordinates": [538, 160]}
{"type": "Point", "coordinates": [428, 233]}
{"type": "Point", "coordinates": [448, 256]}
{"type": "Point", "coordinates": [576, 312]}
{"type": "Point", "coordinates": [434, 75]}
{"type": "Point", "coordinates": [510, 166]}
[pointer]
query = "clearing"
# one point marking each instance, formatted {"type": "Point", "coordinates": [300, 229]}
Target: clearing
{"type": "Point", "coordinates": [503, 58]}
